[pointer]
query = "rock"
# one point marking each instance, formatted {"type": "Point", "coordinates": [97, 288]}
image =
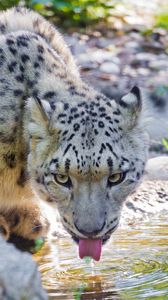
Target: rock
{"type": "Point", "coordinates": [154, 47]}
{"type": "Point", "coordinates": [149, 199]}
{"type": "Point", "coordinates": [87, 65]}
{"type": "Point", "coordinates": [76, 43]}
{"type": "Point", "coordinates": [110, 67]}
{"type": "Point", "coordinates": [132, 44]}
{"type": "Point", "coordinates": [145, 56]}
{"type": "Point", "coordinates": [160, 31]}
{"type": "Point", "coordinates": [135, 36]}
{"type": "Point", "coordinates": [143, 71]}
{"type": "Point", "coordinates": [103, 42]}
{"type": "Point", "coordinates": [159, 64]}
{"type": "Point", "coordinates": [106, 76]}
{"type": "Point", "coordinates": [127, 70]}
{"type": "Point", "coordinates": [157, 168]}
{"type": "Point", "coordinates": [98, 56]}
{"type": "Point", "coordinates": [19, 277]}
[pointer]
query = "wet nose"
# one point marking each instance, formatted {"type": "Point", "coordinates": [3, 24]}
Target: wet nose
{"type": "Point", "coordinates": [91, 232]}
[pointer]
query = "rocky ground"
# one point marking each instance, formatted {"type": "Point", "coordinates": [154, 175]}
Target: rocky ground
{"type": "Point", "coordinates": [150, 199]}
{"type": "Point", "coordinates": [115, 58]}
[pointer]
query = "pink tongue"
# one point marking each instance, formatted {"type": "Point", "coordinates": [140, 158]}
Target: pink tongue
{"type": "Point", "coordinates": [90, 247]}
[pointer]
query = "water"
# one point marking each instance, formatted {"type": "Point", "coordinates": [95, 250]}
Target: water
{"type": "Point", "coordinates": [134, 265]}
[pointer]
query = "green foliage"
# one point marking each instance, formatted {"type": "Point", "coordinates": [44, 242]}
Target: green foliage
{"type": "Point", "coordinates": [74, 12]}
{"type": "Point", "coordinates": [8, 3]}
{"type": "Point", "coordinates": [162, 20]}
{"type": "Point", "coordinates": [67, 12]}
{"type": "Point", "coordinates": [165, 142]}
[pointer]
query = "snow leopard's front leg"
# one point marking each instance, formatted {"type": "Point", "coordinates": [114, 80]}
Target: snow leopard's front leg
{"type": "Point", "coordinates": [25, 221]}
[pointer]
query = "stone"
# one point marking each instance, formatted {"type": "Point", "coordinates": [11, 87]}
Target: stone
{"type": "Point", "coordinates": [19, 276]}
{"type": "Point", "coordinates": [93, 55]}
{"type": "Point", "coordinates": [88, 65]}
{"type": "Point", "coordinates": [159, 64]}
{"type": "Point", "coordinates": [157, 168]}
{"type": "Point", "coordinates": [155, 47]}
{"type": "Point", "coordinates": [146, 56]}
{"type": "Point", "coordinates": [143, 71]}
{"type": "Point", "coordinates": [104, 42]}
{"type": "Point", "coordinates": [76, 44]}
{"type": "Point", "coordinates": [132, 44]}
{"type": "Point", "coordinates": [150, 198]}
{"type": "Point", "coordinates": [110, 67]}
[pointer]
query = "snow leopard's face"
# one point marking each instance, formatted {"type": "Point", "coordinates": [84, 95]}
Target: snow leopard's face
{"type": "Point", "coordinates": [88, 160]}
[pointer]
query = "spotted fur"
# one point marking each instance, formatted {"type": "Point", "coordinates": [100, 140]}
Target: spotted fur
{"type": "Point", "coordinates": [52, 123]}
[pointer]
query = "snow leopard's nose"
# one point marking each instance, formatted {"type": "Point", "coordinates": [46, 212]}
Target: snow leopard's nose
{"type": "Point", "coordinates": [90, 232]}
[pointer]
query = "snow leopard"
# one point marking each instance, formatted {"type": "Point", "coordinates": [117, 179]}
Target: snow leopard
{"type": "Point", "coordinates": [60, 140]}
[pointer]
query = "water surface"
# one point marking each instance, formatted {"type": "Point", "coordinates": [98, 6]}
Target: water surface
{"type": "Point", "coordinates": [134, 265]}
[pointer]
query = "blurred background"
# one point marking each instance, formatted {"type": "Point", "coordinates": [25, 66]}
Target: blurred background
{"type": "Point", "coordinates": [117, 44]}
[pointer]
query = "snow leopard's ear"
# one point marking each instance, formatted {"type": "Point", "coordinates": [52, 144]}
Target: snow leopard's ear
{"type": "Point", "coordinates": [130, 106]}
{"type": "Point", "coordinates": [39, 114]}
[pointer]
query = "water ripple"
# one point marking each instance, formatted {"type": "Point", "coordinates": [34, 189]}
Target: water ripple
{"type": "Point", "coordinates": [134, 265]}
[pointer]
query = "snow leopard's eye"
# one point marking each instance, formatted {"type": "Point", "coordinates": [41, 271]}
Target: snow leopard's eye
{"type": "Point", "coordinates": [63, 180]}
{"type": "Point", "coordinates": [116, 178]}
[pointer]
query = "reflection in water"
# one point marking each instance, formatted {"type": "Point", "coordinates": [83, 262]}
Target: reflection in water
{"type": "Point", "coordinates": [95, 290]}
{"type": "Point", "coordinates": [134, 265]}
